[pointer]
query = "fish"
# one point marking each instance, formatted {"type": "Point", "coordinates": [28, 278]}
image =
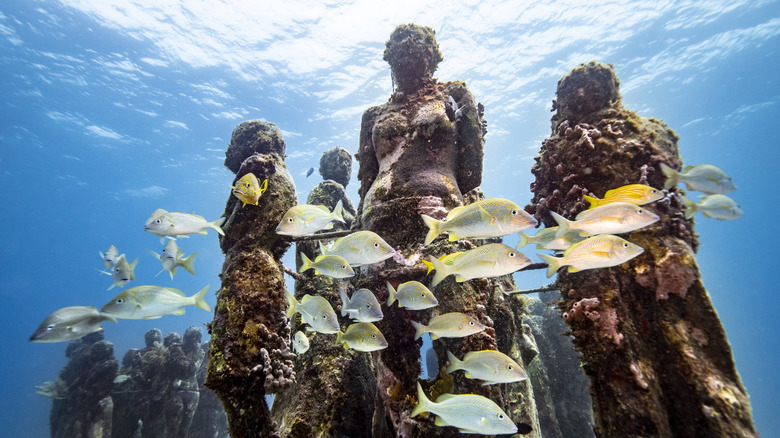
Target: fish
{"type": "Point", "coordinates": [300, 342]}
{"type": "Point", "coordinates": [248, 189]}
{"type": "Point", "coordinates": [330, 265]}
{"type": "Point", "coordinates": [360, 248]}
{"type": "Point", "coordinates": [309, 172]}
{"type": "Point", "coordinates": [362, 307]}
{"type": "Point", "coordinates": [491, 217]}
{"type": "Point", "coordinates": [491, 260]}
{"type": "Point", "coordinates": [614, 218]}
{"type": "Point", "coordinates": [305, 219]}
{"type": "Point", "coordinates": [315, 311]}
{"type": "Point", "coordinates": [602, 251]}
{"type": "Point", "coordinates": [362, 336]}
{"type": "Point", "coordinates": [152, 302]}
{"type": "Point", "coordinates": [704, 178]}
{"type": "Point", "coordinates": [413, 295]}
{"type": "Point", "coordinates": [489, 365]}
{"type": "Point", "coordinates": [171, 259]}
{"type": "Point", "coordinates": [716, 206]}
{"type": "Point", "coordinates": [449, 325]}
{"type": "Point", "coordinates": [637, 194]}
{"type": "Point", "coordinates": [123, 272]}
{"type": "Point", "coordinates": [173, 224]}
{"type": "Point", "coordinates": [470, 413]}
{"type": "Point", "coordinates": [109, 257]}
{"type": "Point", "coordinates": [70, 323]}
{"type": "Point", "coordinates": [545, 239]}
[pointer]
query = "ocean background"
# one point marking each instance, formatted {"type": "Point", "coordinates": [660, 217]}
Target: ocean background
{"type": "Point", "coordinates": [112, 109]}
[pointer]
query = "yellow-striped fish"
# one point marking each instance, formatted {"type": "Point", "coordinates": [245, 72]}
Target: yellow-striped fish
{"type": "Point", "coordinates": [489, 365]}
{"type": "Point", "coordinates": [614, 218]}
{"type": "Point", "coordinates": [701, 177]}
{"type": "Point", "coordinates": [362, 336]}
{"type": "Point", "coordinates": [716, 206]}
{"type": "Point", "coordinates": [602, 251]}
{"type": "Point", "coordinates": [249, 189]}
{"type": "Point", "coordinates": [330, 265]}
{"type": "Point", "coordinates": [492, 217]}
{"type": "Point", "coordinates": [449, 325]}
{"type": "Point", "coordinates": [491, 260]}
{"type": "Point", "coordinates": [315, 311]}
{"type": "Point", "coordinates": [637, 194]}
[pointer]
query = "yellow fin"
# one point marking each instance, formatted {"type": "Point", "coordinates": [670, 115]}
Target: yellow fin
{"type": "Point", "coordinates": [594, 202]}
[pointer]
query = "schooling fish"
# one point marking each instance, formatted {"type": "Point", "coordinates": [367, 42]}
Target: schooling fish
{"type": "Point", "coordinates": [109, 257]}
{"type": "Point", "coordinates": [330, 265]}
{"type": "Point", "coordinates": [491, 260]}
{"type": "Point", "coordinates": [701, 177]}
{"type": "Point", "coordinates": [70, 323]}
{"type": "Point", "coordinates": [413, 295]}
{"type": "Point", "coordinates": [315, 311]}
{"type": "Point", "coordinates": [449, 325]}
{"type": "Point", "coordinates": [172, 224]}
{"type": "Point", "coordinates": [602, 251]}
{"type": "Point", "coordinates": [360, 248]}
{"type": "Point", "coordinates": [637, 194]}
{"type": "Point", "coordinates": [171, 258]}
{"type": "Point", "coordinates": [717, 206]}
{"type": "Point", "coordinates": [123, 272]}
{"type": "Point", "coordinates": [304, 219]}
{"type": "Point", "coordinates": [489, 365]}
{"type": "Point", "coordinates": [614, 218]}
{"type": "Point", "coordinates": [151, 302]}
{"type": "Point", "coordinates": [470, 413]}
{"type": "Point", "coordinates": [248, 189]}
{"type": "Point", "coordinates": [545, 239]}
{"type": "Point", "coordinates": [362, 336]}
{"type": "Point", "coordinates": [300, 342]}
{"type": "Point", "coordinates": [309, 172]}
{"type": "Point", "coordinates": [490, 217]}
{"type": "Point", "coordinates": [362, 307]}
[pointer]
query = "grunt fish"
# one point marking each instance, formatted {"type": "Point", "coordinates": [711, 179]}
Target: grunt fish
{"type": "Point", "coordinates": [304, 219]}
{"type": "Point", "coordinates": [449, 325]}
{"type": "Point", "coordinates": [151, 302]}
{"type": "Point", "coordinates": [489, 365]}
{"type": "Point", "coordinates": [701, 177]}
{"type": "Point", "coordinates": [362, 336]}
{"type": "Point", "coordinates": [716, 206]}
{"type": "Point", "coordinates": [330, 265]}
{"type": "Point", "coordinates": [171, 258]}
{"type": "Point", "coordinates": [123, 272]}
{"type": "Point", "coordinates": [614, 218]}
{"type": "Point", "coordinates": [637, 194]}
{"type": "Point", "coordinates": [109, 257]}
{"type": "Point", "coordinates": [300, 342]}
{"type": "Point", "coordinates": [492, 217]}
{"type": "Point", "coordinates": [360, 248]}
{"type": "Point", "coordinates": [602, 251]}
{"type": "Point", "coordinates": [362, 307]}
{"type": "Point", "coordinates": [248, 189]}
{"type": "Point", "coordinates": [315, 311]}
{"type": "Point", "coordinates": [491, 260]}
{"type": "Point", "coordinates": [413, 295]}
{"type": "Point", "coordinates": [173, 224]}
{"type": "Point", "coordinates": [70, 323]}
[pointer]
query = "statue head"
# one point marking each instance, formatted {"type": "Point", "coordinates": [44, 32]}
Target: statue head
{"type": "Point", "coordinates": [413, 55]}
{"type": "Point", "coordinates": [336, 164]}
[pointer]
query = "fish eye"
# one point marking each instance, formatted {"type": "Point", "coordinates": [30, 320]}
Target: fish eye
{"type": "Point", "coordinates": [471, 323]}
{"type": "Point", "coordinates": [343, 267]}
{"type": "Point", "coordinates": [500, 416]}
{"type": "Point", "coordinates": [654, 191]}
{"type": "Point", "coordinates": [625, 245]}
{"type": "Point", "coordinates": [290, 220]}
{"type": "Point", "coordinates": [514, 212]}
{"type": "Point", "coordinates": [509, 367]}
{"type": "Point", "coordinates": [50, 327]}
{"type": "Point", "coordinates": [511, 254]}
{"type": "Point", "coordinates": [422, 294]}
{"type": "Point", "coordinates": [376, 245]}
{"type": "Point", "coordinates": [639, 211]}
{"type": "Point", "coordinates": [119, 301]}
{"type": "Point", "coordinates": [373, 336]}
{"type": "Point", "coordinates": [158, 221]}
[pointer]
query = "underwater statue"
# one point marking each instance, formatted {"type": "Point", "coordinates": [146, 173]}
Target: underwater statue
{"type": "Point", "coordinates": [652, 345]}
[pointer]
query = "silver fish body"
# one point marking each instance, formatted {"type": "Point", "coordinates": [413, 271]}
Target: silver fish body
{"type": "Point", "coordinates": [614, 218]}
{"type": "Point", "coordinates": [491, 260]}
{"type": "Point", "coordinates": [716, 206]}
{"type": "Point", "coordinates": [304, 219]}
{"type": "Point", "coordinates": [109, 257]}
{"type": "Point", "coordinates": [300, 342]}
{"type": "Point", "coordinates": [315, 311]}
{"type": "Point", "coordinates": [489, 365]}
{"type": "Point", "coordinates": [412, 294]}
{"type": "Point", "coordinates": [70, 323]}
{"type": "Point", "coordinates": [360, 248]}
{"type": "Point", "coordinates": [330, 265]}
{"type": "Point", "coordinates": [174, 224]}
{"type": "Point", "coordinates": [704, 178]}
{"type": "Point", "coordinates": [362, 336]}
{"type": "Point", "coordinates": [151, 302]}
{"type": "Point", "coordinates": [448, 325]}
{"type": "Point", "coordinates": [123, 272]}
{"type": "Point", "coordinates": [172, 258]}
{"type": "Point", "coordinates": [602, 251]}
{"type": "Point", "coordinates": [492, 217]}
{"type": "Point", "coordinates": [362, 307]}
{"type": "Point", "coordinates": [470, 413]}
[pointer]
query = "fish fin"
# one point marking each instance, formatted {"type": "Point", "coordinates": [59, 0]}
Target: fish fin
{"type": "Point", "coordinates": [291, 302]}
{"type": "Point", "coordinates": [564, 225]}
{"type": "Point", "coordinates": [433, 336]}
{"type": "Point", "coordinates": [441, 271]}
{"type": "Point", "coordinates": [152, 317]}
{"type": "Point", "coordinates": [453, 237]}
{"type": "Point", "coordinates": [305, 263]}
{"type": "Point", "coordinates": [553, 263]}
{"type": "Point", "coordinates": [419, 330]}
{"type": "Point", "coordinates": [486, 216]}
{"type": "Point", "coordinates": [573, 269]}
{"type": "Point", "coordinates": [181, 311]}
{"type": "Point", "coordinates": [344, 302]}
{"type": "Point", "coordinates": [158, 256]}
{"type": "Point", "coordinates": [188, 263]}
{"type": "Point", "coordinates": [338, 212]}
{"type": "Point", "coordinates": [459, 278]}
{"type": "Point", "coordinates": [263, 186]}
{"type": "Point", "coordinates": [690, 207]}
{"type": "Point", "coordinates": [439, 422]}
{"type": "Point", "coordinates": [103, 272]}
{"type": "Point", "coordinates": [433, 228]}
{"type": "Point", "coordinates": [671, 176]}
{"type": "Point", "coordinates": [391, 295]}
{"type": "Point", "coordinates": [452, 213]}
{"type": "Point", "coordinates": [422, 402]}
{"type": "Point", "coordinates": [594, 202]}
{"type": "Point", "coordinates": [108, 317]}
{"type": "Point", "coordinates": [133, 264]}
{"type": "Point", "coordinates": [523, 240]}
{"type": "Point", "coordinates": [455, 363]}
{"type": "Point", "coordinates": [172, 272]}
{"type": "Point", "coordinates": [216, 225]}
{"type": "Point", "coordinates": [425, 262]}
{"type": "Point", "coordinates": [199, 299]}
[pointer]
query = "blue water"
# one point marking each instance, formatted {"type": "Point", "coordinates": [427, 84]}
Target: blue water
{"type": "Point", "coordinates": [109, 112]}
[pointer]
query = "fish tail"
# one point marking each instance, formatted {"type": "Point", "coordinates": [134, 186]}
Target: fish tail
{"type": "Point", "coordinates": [425, 262]}
{"type": "Point", "coordinates": [423, 403]}
{"type": "Point", "coordinates": [433, 228]}
{"type": "Point", "coordinates": [107, 317]}
{"type": "Point", "coordinates": [339, 341]}
{"type": "Point", "coordinates": [338, 212]}
{"type": "Point", "coordinates": [553, 263]}
{"type": "Point", "coordinates": [523, 240]}
{"type": "Point", "coordinates": [133, 264]}
{"type": "Point", "coordinates": [292, 302]}
{"type": "Point", "coordinates": [564, 225]}
{"type": "Point", "coordinates": [594, 202]}
{"type": "Point", "coordinates": [455, 363]}
{"type": "Point", "coordinates": [344, 301]}
{"type": "Point", "coordinates": [188, 263]}
{"type": "Point", "coordinates": [217, 225]}
{"type": "Point", "coordinates": [419, 329]}
{"type": "Point", "coordinates": [306, 263]}
{"type": "Point", "coordinates": [441, 271]}
{"type": "Point", "coordinates": [158, 256]}
{"type": "Point", "coordinates": [200, 299]}
{"type": "Point", "coordinates": [690, 207]}
{"type": "Point", "coordinates": [391, 294]}
{"type": "Point", "coordinates": [172, 272]}
{"type": "Point", "coordinates": [672, 176]}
